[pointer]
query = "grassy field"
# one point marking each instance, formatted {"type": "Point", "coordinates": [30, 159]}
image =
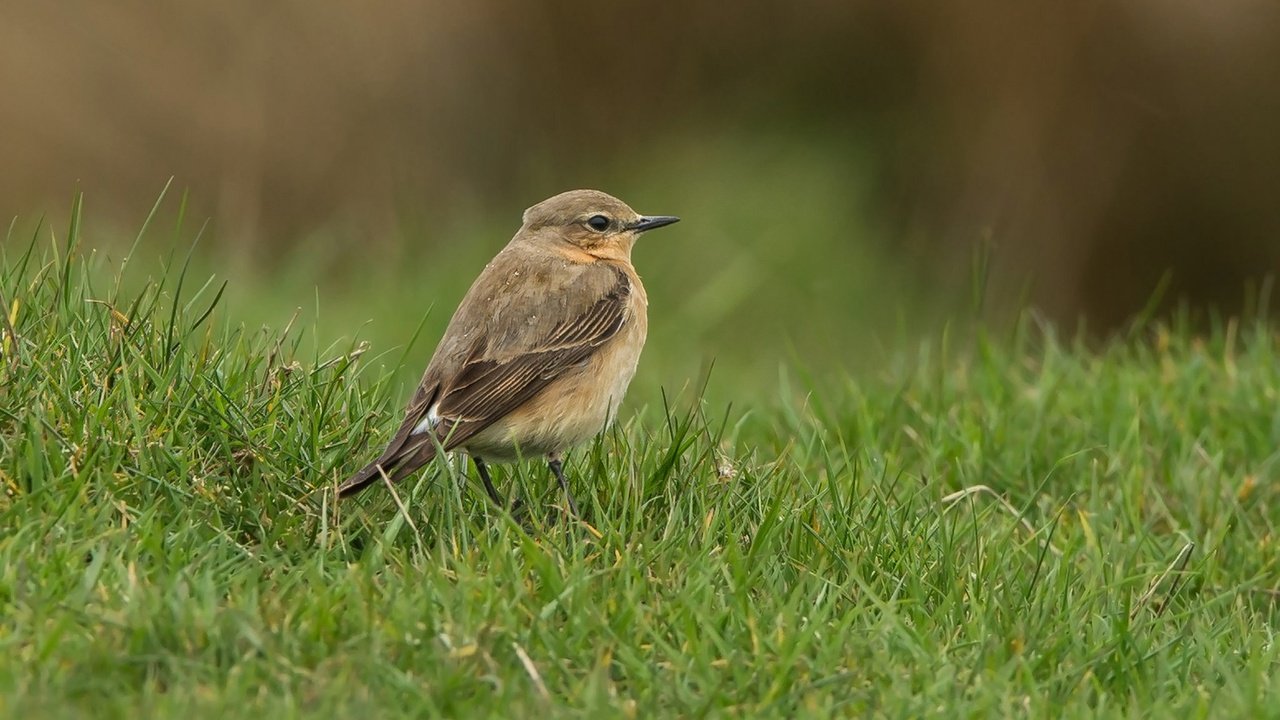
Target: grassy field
{"type": "Point", "coordinates": [1003, 524]}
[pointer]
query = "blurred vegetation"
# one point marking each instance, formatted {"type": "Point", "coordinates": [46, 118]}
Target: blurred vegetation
{"type": "Point", "coordinates": [1094, 148]}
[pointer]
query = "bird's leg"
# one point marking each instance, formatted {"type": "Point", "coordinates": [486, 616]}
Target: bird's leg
{"type": "Point", "coordinates": [557, 469]}
{"type": "Point", "coordinates": [483, 469]}
{"type": "Point", "coordinates": [488, 484]}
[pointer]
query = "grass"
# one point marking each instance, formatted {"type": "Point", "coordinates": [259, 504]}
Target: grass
{"type": "Point", "coordinates": [1012, 525]}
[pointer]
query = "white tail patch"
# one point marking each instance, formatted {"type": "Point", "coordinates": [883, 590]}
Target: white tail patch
{"type": "Point", "coordinates": [429, 422]}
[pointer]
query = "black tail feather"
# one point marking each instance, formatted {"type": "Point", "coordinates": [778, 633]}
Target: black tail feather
{"type": "Point", "coordinates": [395, 465]}
{"type": "Point", "coordinates": [367, 476]}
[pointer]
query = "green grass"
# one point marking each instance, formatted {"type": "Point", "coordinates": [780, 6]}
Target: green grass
{"type": "Point", "coordinates": [170, 546]}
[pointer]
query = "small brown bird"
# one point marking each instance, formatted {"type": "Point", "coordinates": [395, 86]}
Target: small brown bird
{"type": "Point", "coordinates": [540, 351]}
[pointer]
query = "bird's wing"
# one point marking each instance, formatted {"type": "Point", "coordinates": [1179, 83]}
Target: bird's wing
{"type": "Point", "coordinates": [493, 382]}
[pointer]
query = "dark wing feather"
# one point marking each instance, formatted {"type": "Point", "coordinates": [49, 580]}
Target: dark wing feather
{"type": "Point", "coordinates": [486, 389]}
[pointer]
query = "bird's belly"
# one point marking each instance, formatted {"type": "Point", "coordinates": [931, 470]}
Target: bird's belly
{"type": "Point", "coordinates": [569, 411]}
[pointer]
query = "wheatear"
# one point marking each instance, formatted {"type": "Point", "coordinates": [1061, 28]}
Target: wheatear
{"type": "Point", "coordinates": [540, 351]}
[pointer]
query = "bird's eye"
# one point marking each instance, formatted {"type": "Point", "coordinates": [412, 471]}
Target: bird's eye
{"type": "Point", "coordinates": [599, 223]}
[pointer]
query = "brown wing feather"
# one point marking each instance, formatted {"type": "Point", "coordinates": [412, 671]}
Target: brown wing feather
{"type": "Point", "coordinates": [485, 389]}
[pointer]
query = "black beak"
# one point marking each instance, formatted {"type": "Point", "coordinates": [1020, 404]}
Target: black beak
{"type": "Point", "coordinates": [651, 222]}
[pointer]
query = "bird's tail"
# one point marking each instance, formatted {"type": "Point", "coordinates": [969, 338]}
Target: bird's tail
{"type": "Point", "coordinates": [396, 463]}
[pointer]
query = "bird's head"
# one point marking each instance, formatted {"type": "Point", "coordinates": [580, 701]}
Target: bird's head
{"type": "Point", "coordinates": [593, 222]}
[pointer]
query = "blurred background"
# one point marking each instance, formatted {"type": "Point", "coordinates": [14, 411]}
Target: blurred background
{"type": "Point", "coordinates": [841, 166]}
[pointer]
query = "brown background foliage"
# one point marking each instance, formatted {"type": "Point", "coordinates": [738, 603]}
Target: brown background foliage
{"type": "Point", "coordinates": [1097, 144]}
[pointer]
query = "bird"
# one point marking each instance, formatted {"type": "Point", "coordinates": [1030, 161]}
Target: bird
{"type": "Point", "coordinates": [540, 351]}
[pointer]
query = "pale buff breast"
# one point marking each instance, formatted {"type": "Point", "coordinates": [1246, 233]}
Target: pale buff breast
{"type": "Point", "coordinates": [576, 407]}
